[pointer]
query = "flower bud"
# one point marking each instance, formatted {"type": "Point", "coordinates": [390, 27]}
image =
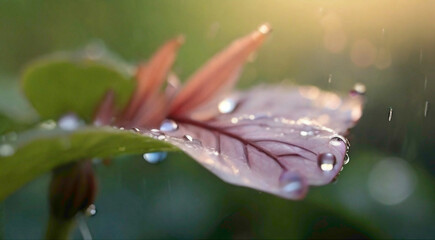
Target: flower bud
{"type": "Point", "coordinates": [72, 189]}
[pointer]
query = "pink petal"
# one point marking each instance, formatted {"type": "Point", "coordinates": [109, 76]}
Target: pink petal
{"type": "Point", "coordinates": [218, 74]}
{"type": "Point", "coordinates": [105, 111]}
{"type": "Point", "coordinates": [272, 140]}
{"type": "Point", "coordinates": [150, 77]}
{"type": "Point", "coordinates": [152, 112]}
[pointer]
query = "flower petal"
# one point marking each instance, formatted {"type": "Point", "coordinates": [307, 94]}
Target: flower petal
{"type": "Point", "coordinates": [105, 111]}
{"type": "Point", "coordinates": [273, 143]}
{"type": "Point", "coordinates": [150, 77]}
{"type": "Point", "coordinates": [217, 74]}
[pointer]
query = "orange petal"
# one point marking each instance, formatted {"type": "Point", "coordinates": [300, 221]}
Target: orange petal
{"type": "Point", "coordinates": [217, 74]}
{"type": "Point", "coordinates": [152, 113]}
{"type": "Point", "coordinates": [150, 76]}
{"type": "Point", "coordinates": [105, 111]}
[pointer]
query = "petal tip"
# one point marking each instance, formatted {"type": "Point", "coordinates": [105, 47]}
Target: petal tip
{"type": "Point", "coordinates": [264, 29]}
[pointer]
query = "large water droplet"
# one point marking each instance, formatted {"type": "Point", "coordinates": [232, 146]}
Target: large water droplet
{"type": "Point", "coordinates": [6, 150]}
{"type": "Point", "coordinates": [326, 161]}
{"type": "Point", "coordinates": [168, 125]}
{"type": "Point", "coordinates": [291, 182]}
{"type": "Point", "coordinates": [69, 122]}
{"type": "Point", "coordinates": [91, 210]}
{"type": "Point", "coordinates": [227, 105]}
{"type": "Point", "coordinates": [155, 157]}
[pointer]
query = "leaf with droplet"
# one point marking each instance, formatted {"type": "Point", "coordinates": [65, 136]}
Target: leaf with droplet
{"type": "Point", "coordinates": [61, 85]}
{"type": "Point", "coordinates": [276, 139]}
{"type": "Point", "coordinates": [38, 151]}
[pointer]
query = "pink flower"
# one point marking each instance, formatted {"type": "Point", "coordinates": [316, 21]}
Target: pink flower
{"type": "Point", "coordinates": [277, 139]}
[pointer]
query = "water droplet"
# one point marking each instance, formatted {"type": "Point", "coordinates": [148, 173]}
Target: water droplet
{"type": "Point", "coordinates": [346, 159]}
{"type": "Point", "coordinates": [358, 89]}
{"type": "Point", "coordinates": [188, 138]}
{"type": "Point", "coordinates": [168, 125]}
{"type": "Point", "coordinates": [336, 139]}
{"type": "Point", "coordinates": [157, 134]}
{"type": "Point", "coordinates": [264, 29]}
{"type": "Point", "coordinates": [121, 149]}
{"type": "Point", "coordinates": [6, 150]}
{"type": "Point", "coordinates": [91, 210]}
{"type": "Point", "coordinates": [330, 78]}
{"type": "Point", "coordinates": [234, 120]}
{"type": "Point", "coordinates": [291, 182]}
{"type": "Point", "coordinates": [326, 161]}
{"type": "Point", "coordinates": [306, 133]}
{"type": "Point", "coordinates": [48, 125]}
{"type": "Point", "coordinates": [136, 129]}
{"type": "Point", "coordinates": [390, 114]}
{"type": "Point", "coordinates": [227, 105]}
{"type": "Point", "coordinates": [155, 157]}
{"type": "Point", "coordinates": [426, 108]}
{"type": "Point", "coordinates": [69, 122]}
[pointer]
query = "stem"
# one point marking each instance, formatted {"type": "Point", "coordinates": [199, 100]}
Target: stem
{"type": "Point", "coordinates": [59, 228]}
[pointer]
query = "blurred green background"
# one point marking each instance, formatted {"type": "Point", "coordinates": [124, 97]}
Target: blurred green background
{"type": "Point", "coordinates": [387, 190]}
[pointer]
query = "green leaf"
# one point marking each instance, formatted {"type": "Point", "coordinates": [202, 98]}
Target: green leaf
{"type": "Point", "coordinates": [56, 87]}
{"type": "Point", "coordinates": [13, 105]}
{"type": "Point", "coordinates": [38, 151]}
